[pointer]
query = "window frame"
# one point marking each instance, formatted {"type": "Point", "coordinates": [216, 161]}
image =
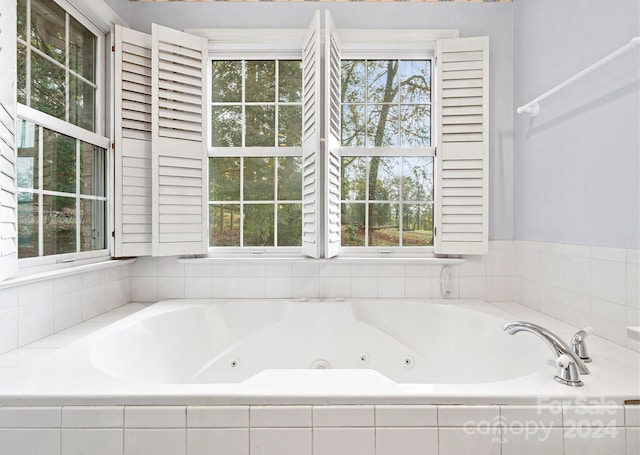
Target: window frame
{"type": "Point", "coordinates": [392, 45]}
{"type": "Point", "coordinates": [258, 44]}
{"type": "Point", "coordinates": [96, 138]}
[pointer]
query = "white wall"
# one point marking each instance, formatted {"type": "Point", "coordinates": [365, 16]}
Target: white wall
{"type": "Point", "coordinates": [494, 20]}
{"type": "Point", "coordinates": [576, 165]}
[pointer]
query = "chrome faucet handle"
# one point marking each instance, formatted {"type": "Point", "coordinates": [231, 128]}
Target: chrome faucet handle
{"type": "Point", "coordinates": [567, 372]}
{"type": "Point", "coordinates": [579, 346]}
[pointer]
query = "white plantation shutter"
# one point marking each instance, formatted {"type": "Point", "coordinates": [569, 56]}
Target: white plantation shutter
{"type": "Point", "coordinates": [8, 183]}
{"type": "Point", "coordinates": [462, 150]}
{"type": "Point", "coordinates": [311, 80]}
{"type": "Point", "coordinates": [179, 159]}
{"type": "Point", "coordinates": [132, 143]}
{"type": "Point", "coordinates": [332, 128]}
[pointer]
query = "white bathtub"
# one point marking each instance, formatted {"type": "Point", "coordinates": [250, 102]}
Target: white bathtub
{"type": "Point", "coordinates": [316, 352]}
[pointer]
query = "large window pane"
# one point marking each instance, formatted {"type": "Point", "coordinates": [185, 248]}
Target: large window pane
{"type": "Point", "coordinates": [22, 19]}
{"type": "Point", "coordinates": [226, 81]}
{"type": "Point", "coordinates": [28, 155]}
{"type": "Point", "coordinates": [289, 224]}
{"type": "Point", "coordinates": [224, 179]}
{"type": "Point", "coordinates": [415, 81]}
{"type": "Point", "coordinates": [224, 224]}
{"type": "Point", "coordinates": [82, 50]}
{"type": "Point", "coordinates": [92, 170]}
{"type": "Point", "coordinates": [354, 177]}
{"type": "Point", "coordinates": [259, 179]}
{"type": "Point", "coordinates": [59, 224]}
{"type": "Point", "coordinates": [22, 74]}
{"type": "Point", "coordinates": [383, 125]}
{"type": "Point", "coordinates": [226, 126]}
{"type": "Point", "coordinates": [384, 229]}
{"type": "Point", "coordinates": [354, 81]}
{"type": "Point", "coordinates": [48, 29]}
{"type": "Point", "coordinates": [415, 124]}
{"type": "Point", "coordinates": [92, 225]}
{"type": "Point", "coordinates": [289, 178]}
{"type": "Point", "coordinates": [81, 103]}
{"type": "Point", "coordinates": [382, 83]}
{"type": "Point", "coordinates": [290, 126]}
{"type": "Point", "coordinates": [384, 178]}
{"type": "Point", "coordinates": [59, 162]}
{"type": "Point", "coordinates": [417, 182]}
{"type": "Point", "coordinates": [260, 126]}
{"type": "Point", "coordinates": [258, 224]}
{"type": "Point", "coordinates": [417, 225]}
{"type": "Point", "coordinates": [28, 233]}
{"type": "Point", "coordinates": [353, 224]}
{"type": "Point", "coordinates": [290, 75]}
{"type": "Point", "coordinates": [260, 81]}
{"type": "Point", "coordinates": [352, 125]}
{"type": "Point", "coordinates": [47, 87]}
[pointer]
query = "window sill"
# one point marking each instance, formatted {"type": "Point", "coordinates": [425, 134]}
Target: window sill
{"type": "Point", "coordinates": [59, 270]}
{"type": "Point", "coordinates": [340, 259]}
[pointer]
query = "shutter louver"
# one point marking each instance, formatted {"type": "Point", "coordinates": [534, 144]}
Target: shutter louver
{"type": "Point", "coordinates": [132, 143]}
{"type": "Point", "coordinates": [462, 161]}
{"type": "Point", "coordinates": [179, 158]}
{"type": "Point", "coordinates": [8, 179]}
{"type": "Point", "coordinates": [311, 79]}
{"type": "Point", "coordinates": [332, 143]}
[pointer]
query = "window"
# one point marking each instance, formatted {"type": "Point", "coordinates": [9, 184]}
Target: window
{"type": "Point", "coordinates": [255, 165]}
{"type": "Point", "coordinates": [386, 154]}
{"type": "Point", "coordinates": [61, 160]}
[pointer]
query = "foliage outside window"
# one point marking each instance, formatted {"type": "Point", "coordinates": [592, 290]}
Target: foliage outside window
{"type": "Point", "coordinates": [56, 63]}
{"type": "Point", "coordinates": [387, 160]}
{"type": "Point", "coordinates": [61, 193]}
{"type": "Point", "coordinates": [255, 197]}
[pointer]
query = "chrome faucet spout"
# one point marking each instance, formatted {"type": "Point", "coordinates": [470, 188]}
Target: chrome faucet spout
{"type": "Point", "coordinates": [555, 343]}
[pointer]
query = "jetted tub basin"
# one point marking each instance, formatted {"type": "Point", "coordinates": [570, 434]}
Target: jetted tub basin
{"type": "Point", "coordinates": [317, 352]}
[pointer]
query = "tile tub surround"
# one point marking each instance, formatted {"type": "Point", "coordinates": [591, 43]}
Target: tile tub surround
{"type": "Point", "coordinates": [38, 305]}
{"type": "Point", "coordinates": [551, 428]}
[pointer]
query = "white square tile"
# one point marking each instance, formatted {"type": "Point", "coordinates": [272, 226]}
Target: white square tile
{"type": "Point", "coordinates": [170, 287]}
{"type": "Point", "coordinates": [364, 270]}
{"type": "Point", "coordinates": [633, 257]}
{"type": "Point", "coordinates": [92, 279]}
{"type": "Point", "coordinates": [499, 289]}
{"type": "Point", "coordinates": [551, 302]}
{"type": "Point", "coordinates": [608, 281]}
{"type": "Point", "coordinates": [390, 287]}
{"type": "Point", "coordinates": [145, 266]}
{"type": "Point", "coordinates": [155, 442]}
{"type": "Point", "coordinates": [279, 270]}
{"type": "Point", "coordinates": [279, 287]}
{"type": "Point", "coordinates": [499, 262]}
{"type": "Point", "coordinates": [390, 270]}
{"type": "Point", "coordinates": [67, 310]}
{"type": "Point", "coordinates": [576, 274]}
{"type": "Point", "coordinates": [225, 270]}
{"type": "Point", "coordinates": [632, 415]}
{"type": "Point", "coordinates": [67, 284]}
{"type": "Point", "coordinates": [252, 270]}
{"type": "Point", "coordinates": [476, 441]}
{"type": "Point", "coordinates": [93, 302]}
{"type": "Point", "coordinates": [30, 442]}
{"type": "Point", "coordinates": [597, 441]}
{"type": "Point", "coordinates": [336, 270]}
{"type": "Point", "coordinates": [280, 416]}
{"type": "Point", "coordinates": [197, 287]}
{"type": "Point", "coordinates": [364, 287]}
{"type": "Point", "coordinates": [144, 289]}
{"type": "Point", "coordinates": [532, 441]}
{"type": "Point", "coordinates": [225, 287]}
{"type": "Point", "coordinates": [94, 442]}
{"type": "Point", "coordinates": [197, 270]}
{"type": "Point", "coordinates": [170, 267]}
{"type": "Point", "coordinates": [406, 416]}
{"type": "Point", "coordinates": [343, 416]}
{"type": "Point", "coordinates": [252, 287]}
{"type": "Point", "coordinates": [336, 287]}
{"type": "Point", "coordinates": [308, 268]}
{"type": "Point", "coordinates": [533, 416]}
{"type": "Point", "coordinates": [217, 416]}
{"type": "Point", "coordinates": [597, 416]}
{"type": "Point", "coordinates": [406, 441]}
{"type": "Point", "coordinates": [473, 266]}
{"type": "Point", "coordinates": [281, 441]}
{"type": "Point", "coordinates": [92, 416]}
{"type": "Point", "coordinates": [113, 273]}
{"type": "Point", "coordinates": [608, 254]}
{"type": "Point", "coordinates": [226, 441]}
{"type": "Point", "coordinates": [473, 287]}
{"type": "Point", "coordinates": [417, 287]}
{"type": "Point", "coordinates": [343, 441]}
{"type": "Point", "coordinates": [34, 292]}
{"type": "Point", "coordinates": [576, 309]}
{"type": "Point", "coordinates": [8, 330]}
{"type": "Point", "coordinates": [114, 295]}
{"type": "Point", "coordinates": [35, 321]}
{"type": "Point", "coordinates": [633, 441]}
{"type": "Point", "coordinates": [459, 416]}
{"type": "Point", "coordinates": [418, 270]}
{"type": "Point", "coordinates": [609, 320]}
{"type": "Point", "coordinates": [155, 416]}
{"type": "Point", "coordinates": [30, 417]}
{"type": "Point", "coordinates": [306, 287]}
{"type": "Point", "coordinates": [633, 317]}
{"type": "Point", "coordinates": [633, 286]}
{"type": "Point", "coordinates": [8, 298]}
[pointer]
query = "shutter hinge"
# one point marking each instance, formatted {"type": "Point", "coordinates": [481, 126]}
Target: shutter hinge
{"type": "Point", "coordinates": [113, 234]}
{"type": "Point", "coordinates": [113, 48]}
{"type": "Point", "coordinates": [435, 231]}
{"type": "Point", "coordinates": [435, 152]}
{"type": "Point", "coordinates": [113, 146]}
